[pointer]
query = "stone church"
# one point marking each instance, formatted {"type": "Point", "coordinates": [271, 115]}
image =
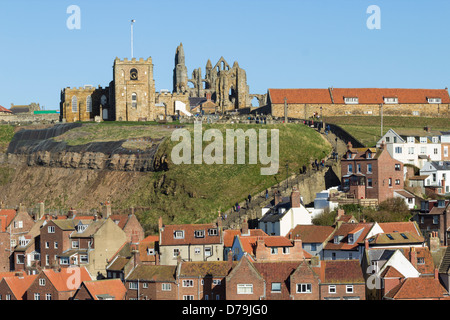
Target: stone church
{"type": "Point", "coordinates": [131, 95]}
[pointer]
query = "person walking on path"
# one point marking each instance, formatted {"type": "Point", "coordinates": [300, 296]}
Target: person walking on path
{"type": "Point", "coordinates": [267, 194]}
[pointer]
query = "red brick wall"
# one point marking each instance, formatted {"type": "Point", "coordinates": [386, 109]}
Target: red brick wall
{"type": "Point", "coordinates": [152, 292]}
{"type": "Point", "coordinates": [359, 290]}
{"type": "Point", "coordinates": [244, 273]}
{"type": "Point", "coordinates": [304, 275]}
{"type": "Point", "coordinates": [4, 252]}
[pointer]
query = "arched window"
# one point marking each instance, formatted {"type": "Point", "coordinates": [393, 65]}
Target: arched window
{"type": "Point", "coordinates": [134, 100]}
{"type": "Point", "coordinates": [74, 104]}
{"type": "Point", "coordinates": [88, 104]}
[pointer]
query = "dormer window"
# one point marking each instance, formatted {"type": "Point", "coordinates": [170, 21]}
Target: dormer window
{"type": "Point", "coordinates": [349, 155]}
{"type": "Point", "coordinates": [434, 100]}
{"type": "Point", "coordinates": [390, 100]}
{"type": "Point", "coordinates": [410, 139]}
{"type": "Point", "coordinates": [351, 239]}
{"type": "Point", "coordinates": [199, 233]}
{"type": "Point", "coordinates": [178, 234]}
{"type": "Point", "coordinates": [369, 155]}
{"type": "Point", "coordinates": [423, 139]}
{"type": "Point", "coordinates": [351, 100]}
{"type": "Point", "coordinates": [212, 232]}
{"type": "Point", "coordinates": [81, 228]}
{"type": "Point", "coordinates": [435, 139]}
{"type": "Point", "coordinates": [337, 239]}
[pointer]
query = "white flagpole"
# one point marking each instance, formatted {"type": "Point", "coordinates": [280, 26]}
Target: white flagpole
{"type": "Point", "coordinates": [132, 21]}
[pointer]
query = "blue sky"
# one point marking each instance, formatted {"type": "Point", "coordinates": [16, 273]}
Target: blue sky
{"type": "Point", "coordinates": [280, 44]}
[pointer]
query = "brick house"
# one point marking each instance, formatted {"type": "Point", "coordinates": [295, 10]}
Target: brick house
{"type": "Point", "coordinates": [15, 287]}
{"type": "Point", "coordinates": [54, 240]}
{"type": "Point", "coordinates": [59, 284]}
{"type": "Point", "coordinates": [347, 242]}
{"type": "Point", "coordinates": [313, 237]}
{"type": "Point", "coordinates": [203, 280]}
{"type": "Point", "coordinates": [149, 282]}
{"type": "Point", "coordinates": [230, 234]}
{"type": "Point", "coordinates": [370, 173]}
{"type": "Point", "coordinates": [130, 225]}
{"type": "Point", "coordinates": [13, 225]}
{"type": "Point", "coordinates": [244, 282]}
{"type": "Point", "coordinates": [27, 251]}
{"type": "Point", "coordinates": [342, 280]}
{"type": "Point", "coordinates": [92, 246]}
{"type": "Point", "coordinates": [268, 248]}
{"type": "Point", "coordinates": [106, 289]}
{"type": "Point", "coordinates": [192, 242]}
{"type": "Point", "coordinates": [434, 216]}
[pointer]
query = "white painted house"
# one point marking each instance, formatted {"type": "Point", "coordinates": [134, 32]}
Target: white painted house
{"type": "Point", "coordinates": [438, 173]}
{"type": "Point", "coordinates": [284, 215]}
{"type": "Point", "coordinates": [415, 150]}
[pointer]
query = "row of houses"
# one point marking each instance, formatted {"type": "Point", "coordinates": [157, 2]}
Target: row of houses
{"type": "Point", "coordinates": [349, 260]}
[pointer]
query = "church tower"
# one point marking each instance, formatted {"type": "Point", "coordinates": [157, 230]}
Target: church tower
{"type": "Point", "coordinates": [180, 78]}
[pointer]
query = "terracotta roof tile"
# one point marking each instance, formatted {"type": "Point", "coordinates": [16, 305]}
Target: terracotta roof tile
{"type": "Point", "coordinates": [112, 287]}
{"type": "Point", "coordinates": [19, 285]}
{"type": "Point", "coordinates": [342, 271]}
{"type": "Point", "coordinates": [311, 233]}
{"type": "Point", "coordinates": [295, 96]}
{"type": "Point", "coordinates": [61, 280]}
{"type": "Point", "coordinates": [418, 288]}
{"type": "Point", "coordinates": [364, 95]}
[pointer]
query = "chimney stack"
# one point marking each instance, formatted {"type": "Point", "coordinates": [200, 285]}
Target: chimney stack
{"type": "Point", "coordinates": [366, 244]}
{"type": "Point", "coordinates": [107, 209]}
{"type": "Point", "coordinates": [295, 198]}
{"type": "Point", "coordinates": [277, 198]}
{"type": "Point", "coordinates": [434, 241]}
{"type": "Point", "coordinates": [208, 96]}
{"type": "Point", "coordinates": [160, 224]}
{"type": "Point", "coordinates": [244, 227]}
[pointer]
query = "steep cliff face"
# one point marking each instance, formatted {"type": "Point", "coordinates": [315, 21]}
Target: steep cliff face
{"type": "Point", "coordinates": [38, 148]}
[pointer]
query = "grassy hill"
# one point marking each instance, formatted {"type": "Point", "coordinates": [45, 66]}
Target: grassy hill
{"type": "Point", "coordinates": [185, 193]}
{"type": "Point", "coordinates": [367, 129]}
{"type": "Point", "coordinates": [189, 193]}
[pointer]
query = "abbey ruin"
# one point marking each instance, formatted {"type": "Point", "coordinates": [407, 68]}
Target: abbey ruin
{"type": "Point", "coordinates": [131, 95]}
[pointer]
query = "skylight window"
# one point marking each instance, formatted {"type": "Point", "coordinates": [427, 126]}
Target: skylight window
{"type": "Point", "coordinates": [404, 236]}
{"type": "Point", "coordinates": [389, 236]}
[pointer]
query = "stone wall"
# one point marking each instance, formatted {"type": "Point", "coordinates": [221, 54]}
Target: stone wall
{"type": "Point", "coordinates": [305, 111]}
{"type": "Point", "coordinates": [29, 118]}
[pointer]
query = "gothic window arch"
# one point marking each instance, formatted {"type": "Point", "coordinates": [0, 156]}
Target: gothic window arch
{"type": "Point", "coordinates": [89, 104]}
{"type": "Point", "coordinates": [74, 104]}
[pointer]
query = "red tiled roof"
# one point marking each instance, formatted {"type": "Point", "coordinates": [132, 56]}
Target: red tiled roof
{"type": "Point", "coordinates": [19, 285]}
{"type": "Point", "coordinates": [364, 95]}
{"type": "Point", "coordinates": [229, 234]}
{"type": "Point", "coordinates": [425, 268]}
{"type": "Point", "coordinates": [377, 95]}
{"type": "Point", "coordinates": [342, 271]}
{"type": "Point", "coordinates": [3, 109]}
{"type": "Point", "coordinates": [277, 241]}
{"type": "Point", "coordinates": [112, 287]}
{"type": "Point", "coordinates": [6, 216]}
{"type": "Point", "coordinates": [295, 96]}
{"type": "Point", "coordinates": [311, 233]}
{"type": "Point", "coordinates": [67, 278]}
{"type": "Point", "coordinates": [391, 272]}
{"type": "Point", "coordinates": [417, 288]}
{"type": "Point", "coordinates": [344, 230]}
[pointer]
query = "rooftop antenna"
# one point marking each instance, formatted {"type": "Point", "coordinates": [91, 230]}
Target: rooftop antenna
{"type": "Point", "coordinates": [132, 21]}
